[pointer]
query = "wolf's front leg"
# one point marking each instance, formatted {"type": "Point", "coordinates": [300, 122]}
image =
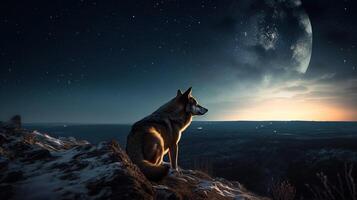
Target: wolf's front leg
{"type": "Point", "coordinates": [173, 154]}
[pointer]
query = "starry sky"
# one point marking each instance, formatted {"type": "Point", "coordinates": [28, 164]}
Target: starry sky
{"type": "Point", "coordinates": [89, 61]}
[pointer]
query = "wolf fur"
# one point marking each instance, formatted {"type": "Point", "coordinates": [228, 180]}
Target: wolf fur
{"type": "Point", "coordinates": [159, 133]}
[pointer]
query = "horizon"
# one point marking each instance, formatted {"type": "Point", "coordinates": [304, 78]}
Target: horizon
{"type": "Point", "coordinates": [194, 121]}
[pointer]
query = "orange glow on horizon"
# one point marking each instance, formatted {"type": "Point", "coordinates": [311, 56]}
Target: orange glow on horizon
{"type": "Point", "coordinates": [286, 109]}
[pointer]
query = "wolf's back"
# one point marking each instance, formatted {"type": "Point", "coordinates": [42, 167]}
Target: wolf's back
{"type": "Point", "coordinates": [134, 149]}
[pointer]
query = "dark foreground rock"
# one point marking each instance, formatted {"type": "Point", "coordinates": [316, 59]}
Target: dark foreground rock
{"type": "Point", "coordinates": [37, 166]}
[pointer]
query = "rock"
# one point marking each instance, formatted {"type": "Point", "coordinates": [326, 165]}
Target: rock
{"type": "Point", "coordinates": [6, 191]}
{"type": "Point", "coordinates": [16, 121]}
{"type": "Point", "coordinates": [36, 154]}
{"type": "Point", "coordinates": [13, 124]}
{"type": "Point", "coordinates": [2, 139]}
{"type": "Point", "coordinates": [37, 166]}
{"type": "Point", "coordinates": [13, 176]}
{"type": "Point", "coordinates": [40, 166]}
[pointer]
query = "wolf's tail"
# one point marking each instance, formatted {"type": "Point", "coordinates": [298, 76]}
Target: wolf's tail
{"type": "Point", "coordinates": [153, 172]}
{"type": "Point", "coordinates": [135, 152]}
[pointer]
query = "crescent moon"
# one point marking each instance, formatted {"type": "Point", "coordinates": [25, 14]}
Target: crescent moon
{"type": "Point", "coordinates": [302, 49]}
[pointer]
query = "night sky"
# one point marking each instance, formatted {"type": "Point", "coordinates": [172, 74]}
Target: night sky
{"type": "Point", "coordinates": [117, 61]}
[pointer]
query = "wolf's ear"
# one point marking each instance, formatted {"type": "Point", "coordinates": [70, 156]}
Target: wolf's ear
{"type": "Point", "coordinates": [188, 92]}
{"type": "Point", "coordinates": [179, 93]}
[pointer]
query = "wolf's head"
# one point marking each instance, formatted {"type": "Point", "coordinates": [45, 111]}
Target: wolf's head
{"type": "Point", "coordinates": [191, 104]}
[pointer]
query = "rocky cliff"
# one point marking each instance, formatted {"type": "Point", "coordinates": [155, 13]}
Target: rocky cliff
{"type": "Point", "coordinates": [34, 165]}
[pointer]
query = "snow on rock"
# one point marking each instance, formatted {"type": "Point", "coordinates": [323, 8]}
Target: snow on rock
{"type": "Point", "coordinates": [190, 184]}
{"type": "Point", "coordinates": [34, 165]}
{"type": "Point", "coordinates": [38, 166]}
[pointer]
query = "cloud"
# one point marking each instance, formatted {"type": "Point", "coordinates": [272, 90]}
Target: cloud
{"type": "Point", "coordinates": [295, 88]}
{"type": "Point", "coordinates": [352, 90]}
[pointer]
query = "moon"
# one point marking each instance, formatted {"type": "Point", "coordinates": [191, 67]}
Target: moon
{"type": "Point", "coordinates": [274, 35]}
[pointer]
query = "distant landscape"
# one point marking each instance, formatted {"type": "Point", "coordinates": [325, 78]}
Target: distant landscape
{"type": "Point", "coordinates": [255, 153]}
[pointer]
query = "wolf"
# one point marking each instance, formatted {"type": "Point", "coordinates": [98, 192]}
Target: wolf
{"type": "Point", "coordinates": [151, 138]}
